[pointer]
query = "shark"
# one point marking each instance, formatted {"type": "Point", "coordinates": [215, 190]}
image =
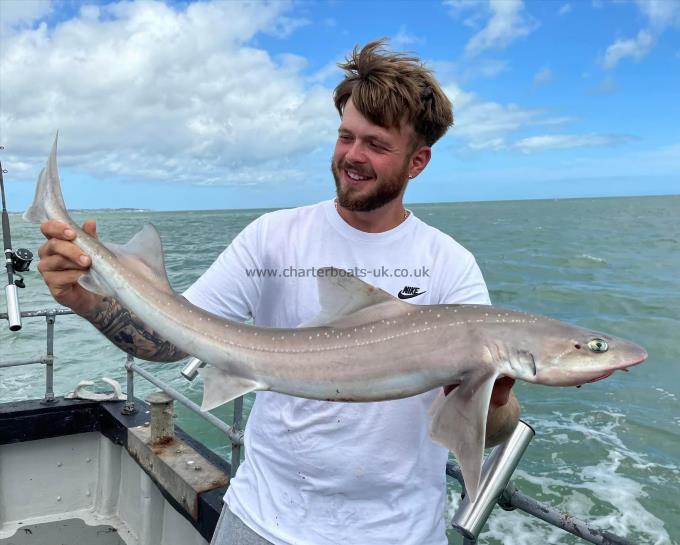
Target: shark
{"type": "Point", "coordinates": [364, 345]}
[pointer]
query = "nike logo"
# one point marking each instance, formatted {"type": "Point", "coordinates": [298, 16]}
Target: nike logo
{"type": "Point", "coordinates": [409, 291]}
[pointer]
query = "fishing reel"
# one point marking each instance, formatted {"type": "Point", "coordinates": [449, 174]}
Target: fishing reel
{"type": "Point", "coordinates": [21, 261]}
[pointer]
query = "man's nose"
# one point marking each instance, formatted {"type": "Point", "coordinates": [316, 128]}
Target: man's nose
{"type": "Point", "coordinates": [355, 154]}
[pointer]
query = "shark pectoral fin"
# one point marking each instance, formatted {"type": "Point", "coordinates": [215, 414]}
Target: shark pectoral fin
{"type": "Point", "coordinates": [459, 423]}
{"type": "Point", "coordinates": [437, 403]}
{"type": "Point", "coordinates": [93, 282]}
{"type": "Point", "coordinates": [219, 387]}
{"type": "Point", "coordinates": [143, 253]}
{"type": "Point", "coordinates": [342, 294]}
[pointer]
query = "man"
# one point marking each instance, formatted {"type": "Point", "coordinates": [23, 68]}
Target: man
{"type": "Point", "coordinates": [325, 472]}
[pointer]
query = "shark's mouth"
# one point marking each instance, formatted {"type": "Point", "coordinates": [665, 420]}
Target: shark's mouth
{"type": "Point", "coordinates": [625, 368]}
{"type": "Point", "coordinates": [604, 375]}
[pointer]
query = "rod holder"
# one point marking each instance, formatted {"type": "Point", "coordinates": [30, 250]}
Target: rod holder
{"type": "Point", "coordinates": [499, 466]}
{"type": "Point", "coordinates": [162, 418]}
{"type": "Point", "coordinates": [13, 310]}
{"type": "Point", "coordinates": [190, 370]}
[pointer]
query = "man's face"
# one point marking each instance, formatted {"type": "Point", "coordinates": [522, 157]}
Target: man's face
{"type": "Point", "coordinates": [370, 163]}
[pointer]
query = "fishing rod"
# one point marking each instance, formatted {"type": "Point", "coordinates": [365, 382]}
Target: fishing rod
{"type": "Point", "coordinates": [15, 262]}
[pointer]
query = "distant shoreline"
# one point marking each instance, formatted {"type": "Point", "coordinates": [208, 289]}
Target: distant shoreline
{"type": "Point", "coordinates": [99, 210]}
{"type": "Point", "coordinates": [81, 210]}
{"type": "Point", "coordinates": [407, 204]}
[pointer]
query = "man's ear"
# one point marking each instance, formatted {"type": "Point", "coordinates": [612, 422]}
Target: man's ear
{"type": "Point", "coordinates": [419, 160]}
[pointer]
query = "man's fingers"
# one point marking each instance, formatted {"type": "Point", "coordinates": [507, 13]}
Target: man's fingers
{"type": "Point", "coordinates": [63, 248]}
{"type": "Point", "coordinates": [90, 227]}
{"type": "Point", "coordinates": [505, 382]}
{"type": "Point", "coordinates": [62, 280]}
{"type": "Point", "coordinates": [57, 263]}
{"type": "Point", "coordinates": [57, 229]}
{"type": "Point", "coordinates": [501, 391]}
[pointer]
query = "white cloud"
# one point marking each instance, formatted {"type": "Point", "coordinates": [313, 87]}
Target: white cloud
{"type": "Point", "coordinates": [564, 9]}
{"type": "Point", "coordinates": [466, 70]}
{"type": "Point", "coordinates": [661, 15]}
{"type": "Point", "coordinates": [403, 38]}
{"type": "Point", "coordinates": [543, 76]}
{"type": "Point", "coordinates": [21, 13]}
{"type": "Point", "coordinates": [568, 141]}
{"type": "Point", "coordinates": [484, 125]}
{"type": "Point", "coordinates": [148, 90]}
{"type": "Point", "coordinates": [636, 48]}
{"type": "Point", "coordinates": [489, 125]}
{"type": "Point", "coordinates": [505, 22]}
{"type": "Point", "coordinates": [328, 71]}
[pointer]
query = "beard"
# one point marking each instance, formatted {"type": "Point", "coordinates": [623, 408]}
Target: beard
{"type": "Point", "coordinates": [385, 189]}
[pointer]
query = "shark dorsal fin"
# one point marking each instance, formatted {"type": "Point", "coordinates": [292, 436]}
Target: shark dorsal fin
{"type": "Point", "coordinates": [344, 298]}
{"type": "Point", "coordinates": [142, 254]}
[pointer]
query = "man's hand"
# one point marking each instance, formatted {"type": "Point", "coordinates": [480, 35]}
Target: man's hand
{"type": "Point", "coordinates": [501, 391]}
{"type": "Point", "coordinates": [62, 263]}
{"type": "Point", "coordinates": [500, 394]}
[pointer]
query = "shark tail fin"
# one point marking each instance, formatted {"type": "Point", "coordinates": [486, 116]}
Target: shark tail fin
{"type": "Point", "coordinates": [48, 202]}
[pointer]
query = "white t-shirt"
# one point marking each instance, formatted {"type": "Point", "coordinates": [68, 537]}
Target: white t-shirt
{"type": "Point", "coordinates": [316, 472]}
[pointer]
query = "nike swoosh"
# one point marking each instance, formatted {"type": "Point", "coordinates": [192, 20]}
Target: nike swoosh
{"type": "Point", "coordinates": [409, 295]}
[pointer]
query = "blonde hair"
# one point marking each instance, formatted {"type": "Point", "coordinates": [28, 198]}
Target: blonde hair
{"type": "Point", "coordinates": [391, 88]}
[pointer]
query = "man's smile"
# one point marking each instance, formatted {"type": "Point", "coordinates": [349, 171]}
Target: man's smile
{"type": "Point", "coordinates": [356, 177]}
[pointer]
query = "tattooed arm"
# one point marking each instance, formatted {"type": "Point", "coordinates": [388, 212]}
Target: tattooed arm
{"type": "Point", "coordinates": [62, 263]}
{"type": "Point", "coordinates": [129, 333]}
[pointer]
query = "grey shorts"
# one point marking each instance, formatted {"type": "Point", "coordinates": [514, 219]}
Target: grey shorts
{"type": "Point", "coordinates": [231, 531]}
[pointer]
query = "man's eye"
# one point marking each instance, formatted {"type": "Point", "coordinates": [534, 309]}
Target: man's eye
{"type": "Point", "coordinates": [344, 138]}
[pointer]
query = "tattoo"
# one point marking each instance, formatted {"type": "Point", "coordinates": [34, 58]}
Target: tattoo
{"type": "Point", "coordinates": [129, 334]}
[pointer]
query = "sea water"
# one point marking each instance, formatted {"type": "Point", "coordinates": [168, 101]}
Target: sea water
{"type": "Point", "coordinates": [608, 453]}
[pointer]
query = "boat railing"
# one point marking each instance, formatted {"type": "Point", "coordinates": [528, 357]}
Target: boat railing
{"type": "Point", "coordinates": [495, 488]}
{"type": "Point", "coordinates": [233, 432]}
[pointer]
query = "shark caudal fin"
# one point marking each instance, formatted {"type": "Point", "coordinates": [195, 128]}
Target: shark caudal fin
{"type": "Point", "coordinates": [459, 424]}
{"type": "Point", "coordinates": [48, 202]}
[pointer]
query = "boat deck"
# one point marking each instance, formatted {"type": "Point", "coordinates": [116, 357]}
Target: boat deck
{"type": "Point", "coordinates": [64, 531]}
{"type": "Point", "coordinates": [80, 472]}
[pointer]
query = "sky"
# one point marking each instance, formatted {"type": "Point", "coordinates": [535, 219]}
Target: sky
{"type": "Point", "coordinates": [226, 104]}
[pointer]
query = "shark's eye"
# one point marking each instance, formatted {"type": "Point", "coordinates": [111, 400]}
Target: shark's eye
{"type": "Point", "coordinates": [598, 345]}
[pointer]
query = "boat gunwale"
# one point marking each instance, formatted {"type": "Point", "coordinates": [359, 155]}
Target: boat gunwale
{"type": "Point", "coordinates": [32, 420]}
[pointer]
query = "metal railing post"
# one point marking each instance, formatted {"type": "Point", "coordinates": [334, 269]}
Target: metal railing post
{"type": "Point", "coordinates": [499, 466]}
{"type": "Point", "coordinates": [236, 426]}
{"type": "Point", "coordinates": [190, 372]}
{"type": "Point", "coordinates": [50, 318]}
{"type": "Point", "coordinates": [129, 407]}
